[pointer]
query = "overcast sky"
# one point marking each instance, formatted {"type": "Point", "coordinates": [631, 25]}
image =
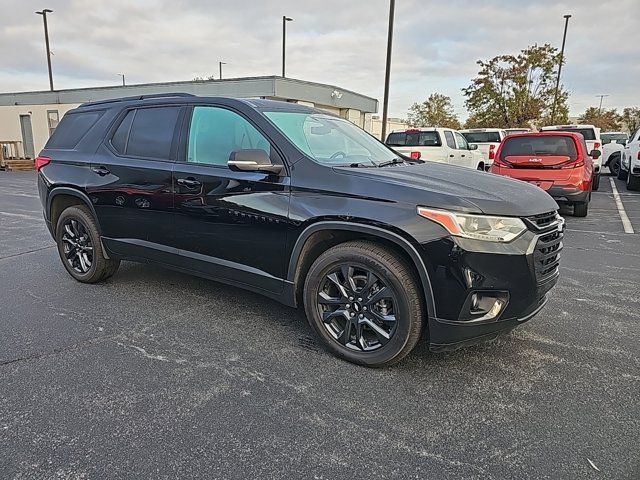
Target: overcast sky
{"type": "Point", "coordinates": [341, 42]}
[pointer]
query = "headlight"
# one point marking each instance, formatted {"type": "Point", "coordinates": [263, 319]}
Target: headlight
{"type": "Point", "coordinates": [478, 227]}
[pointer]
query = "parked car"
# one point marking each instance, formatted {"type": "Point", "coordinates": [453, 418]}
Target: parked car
{"type": "Point", "coordinates": [488, 141]}
{"type": "Point", "coordinates": [630, 163]}
{"type": "Point", "coordinates": [512, 131]}
{"type": "Point", "coordinates": [303, 207]}
{"type": "Point", "coordinates": [591, 135]}
{"type": "Point", "coordinates": [442, 145]}
{"type": "Point", "coordinates": [612, 146]}
{"type": "Point", "coordinates": [557, 162]}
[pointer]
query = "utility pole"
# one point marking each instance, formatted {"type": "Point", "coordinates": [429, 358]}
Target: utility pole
{"type": "Point", "coordinates": [121, 75]}
{"type": "Point", "coordinates": [555, 95]}
{"type": "Point", "coordinates": [46, 42]}
{"type": "Point", "coordinates": [220, 66]}
{"type": "Point", "coordinates": [600, 107]}
{"type": "Point", "coordinates": [385, 101]}
{"type": "Point", "coordinates": [285, 19]}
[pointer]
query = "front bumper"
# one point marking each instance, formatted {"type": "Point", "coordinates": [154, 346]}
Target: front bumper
{"type": "Point", "coordinates": [519, 274]}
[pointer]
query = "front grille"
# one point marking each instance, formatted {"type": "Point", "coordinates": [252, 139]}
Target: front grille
{"type": "Point", "coordinates": [543, 220]}
{"type": "Point", "coordinates": [547, 255]}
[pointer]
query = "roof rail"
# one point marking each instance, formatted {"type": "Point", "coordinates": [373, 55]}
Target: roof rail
{"type": "Point", "coordinates": [137, 97]}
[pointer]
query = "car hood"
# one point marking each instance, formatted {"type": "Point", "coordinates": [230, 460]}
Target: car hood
{"type": "Point", "coordinates": [457, 188]}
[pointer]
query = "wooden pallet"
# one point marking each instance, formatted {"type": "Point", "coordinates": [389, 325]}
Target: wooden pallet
{"type": "Point", "coordinates": [19, 165]}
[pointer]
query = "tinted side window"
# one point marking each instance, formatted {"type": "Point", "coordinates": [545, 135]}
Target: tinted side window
{"type": "Point", "coordinates": [449, 138]}
{"type": "Point", "coordinates": [216, 132]}
{"type": "Point", "coordinates": [119, 139]}
{"type": "Point", "coordinates": [72, 128]}
{"type": "Point", "coordinates": [152, 132]}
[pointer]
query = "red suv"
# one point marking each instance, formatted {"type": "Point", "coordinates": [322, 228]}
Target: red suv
{"type": "Point", "coordinates": [557, 162]}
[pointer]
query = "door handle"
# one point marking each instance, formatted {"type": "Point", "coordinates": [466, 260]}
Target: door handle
{"type": "Point", "coordinates": [101, 170]}
{"type": "Point", "coordinates": [462, 155]}
{"type": "Point", "coordinates": [451, 155]}
{"type": "Point", "coordinates": [189, 182]}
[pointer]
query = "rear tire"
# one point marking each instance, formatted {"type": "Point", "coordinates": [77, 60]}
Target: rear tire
{"type": "Point", "coordinates": [633, 182]}
{"type": "Point", "coordinates": [365, 303]}
{"type": "Point", "coordinates": [580, 209]}
{"type": "Point", "coordinates": [79, 246]}
{"type": "Point", "coordinates": [596, 182]}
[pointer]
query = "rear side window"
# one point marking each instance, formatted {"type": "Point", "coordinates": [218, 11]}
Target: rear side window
{"type": "Point", "coordinates": [482, 137]}
{"type": "Point", "coordinates": [152, 131]}
{"type": "Point", "coordinates": [539, 146]}
{"type": "Point", "coordinates": [72, 128]}
{"type": "Point", "coordinates": [119, 139]}
{"type": "Point", "coordinates": [414, 139]}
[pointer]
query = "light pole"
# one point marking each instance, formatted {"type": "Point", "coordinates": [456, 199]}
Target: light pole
{"type": "Point", "coordinates": [600, 107]}
{"type": "Point", "coordinates": [121, 75]}
{"type": "Point", "coordinates": [46, 42]}
{"type": "Point", "coordinates": [555, 95]}
{"type": "Point", "coordinates": [285, 19]}
{"type": "Point", "coordinates": [385, 101]}
{"type": "Point", "coordinates": [220, 65]}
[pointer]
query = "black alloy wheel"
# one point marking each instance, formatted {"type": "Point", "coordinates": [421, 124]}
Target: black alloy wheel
{"type": "Point", "coordinates": [365, 302]}
{"type": "Point", "coordinates": [357, 308]}
{"type": "Point", "coordinates": [77, 245]}
{"type": "Point", "coordinates": [78, 238]}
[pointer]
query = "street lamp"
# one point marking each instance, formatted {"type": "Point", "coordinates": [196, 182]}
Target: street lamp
{"type": "Point", "coordinates": [220, 65]}
{"type": "Point", "coordinates": [121, 75]}
{"type": "Point", "coordinates": [555, 95]}
{"type": "Point", "coordinates": [385, 101]}
{"type": "Point", "coordinates": [600, 107]}
{"type": "Point", "coordinates": [46, 42]}
{"type": "Point", "coordinates": [285, 19]}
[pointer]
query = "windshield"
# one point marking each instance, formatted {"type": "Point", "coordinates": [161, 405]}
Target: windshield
{"type": "Point", "coordinates": [613, 137]}
{"type": "Point", "coordinates": [330, 140]}
{"type": "Point", "coordinates": [414, 139]}
{"type": "Point", "coordinates": [482, 137]}
{"type": "Point", "coordinates": [539, 146]}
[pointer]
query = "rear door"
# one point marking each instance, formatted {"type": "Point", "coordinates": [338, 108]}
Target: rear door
{"type": "Point", "coordinates": [130, 181]}
{"type": "Point", "coordinates": [229, 224]}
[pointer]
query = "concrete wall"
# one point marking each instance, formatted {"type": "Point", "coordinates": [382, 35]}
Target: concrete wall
{"type": "Point", "coordinates": [10, 122]}
{"type": "Point", "coordinates": [392, 124]}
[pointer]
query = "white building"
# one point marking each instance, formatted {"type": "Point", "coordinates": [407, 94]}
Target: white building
{"type": "Point", "coordinates": [28, 118]}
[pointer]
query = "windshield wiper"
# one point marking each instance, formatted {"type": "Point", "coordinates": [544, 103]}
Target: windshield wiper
{"type": "Point", "coordinates": [356, 165]}
{"type": "Point", "coordinates": [393, 161]}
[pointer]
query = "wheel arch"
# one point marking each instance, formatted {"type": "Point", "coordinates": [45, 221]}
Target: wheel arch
{"type": "Point", "coordinates": [315, 238]}
{"type": "Point", "coordinates": [61, 198]}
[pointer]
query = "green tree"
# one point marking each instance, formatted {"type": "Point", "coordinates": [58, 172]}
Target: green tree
{"type": "Point", "coordinates": [631, 118]}
{"type": "Point", "coordinates": [606, 119]}
{"type": "Point", "coordinates": [517, 90]}
{"type": "Point", "coordinates": [435, 111]}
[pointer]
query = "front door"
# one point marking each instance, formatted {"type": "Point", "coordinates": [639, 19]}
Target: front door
{"type": "Point", "coordinates": [27, 136]}
{"type": "Point", "coordinates": [466, 156]}
{"type": "Point", "coordinates": [130, 182]}
{"type": "Point", "coordinates": [230, 224]}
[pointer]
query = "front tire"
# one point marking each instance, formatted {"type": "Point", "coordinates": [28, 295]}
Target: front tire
{"type": "Point", "coordinates": [614, 166]}
{"type": "Point", "coordinates": [365, 303]}
{"type": "Point", "coordinates": [79, 246]}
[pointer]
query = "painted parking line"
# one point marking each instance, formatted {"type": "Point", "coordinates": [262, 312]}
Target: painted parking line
{"type": "Point", "coordinates": [626, 223]}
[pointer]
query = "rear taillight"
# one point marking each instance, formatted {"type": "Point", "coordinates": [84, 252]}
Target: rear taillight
{"type": "Point", "coordinates": [577, 164]}
{"type": "Point", "coordinates": [492, 152]}
{"type": "Point", "coordinates": [41, 162]}
{"type": "Point", "coordinates": [639, 155]}
{"type": "Point", "coordinates": [415, 155]}
{"type": "Point", "coordinates": [497, 162]}
{"type": "Point", "coordinates": [596, 145]}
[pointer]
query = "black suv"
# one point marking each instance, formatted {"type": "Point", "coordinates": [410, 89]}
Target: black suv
{"type": "Point", "coordinates": [303, 207]}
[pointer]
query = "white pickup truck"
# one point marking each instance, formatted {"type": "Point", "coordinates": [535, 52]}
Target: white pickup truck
{"type": "Point", "coordinates": [442, 145]}
{"type": "Point", "coordinates": [612, 146]}
{"type": "Point", "coordinates": [591, 135]}
{"type": "Point", "coordinates": [630, 165]}
{"type": "Point", "coordinates": [488, 141]}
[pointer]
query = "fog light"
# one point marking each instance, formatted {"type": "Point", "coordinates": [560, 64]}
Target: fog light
{"type": "Point", "coordinates": [484, 306]}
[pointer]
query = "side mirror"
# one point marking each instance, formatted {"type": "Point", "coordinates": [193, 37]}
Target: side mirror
{"type": "Point", "coordinates": [252, 160]}
{"type": "Point", "coordinates": [595, 154]}
{"type": "Point", "coordinates": [473, 146]}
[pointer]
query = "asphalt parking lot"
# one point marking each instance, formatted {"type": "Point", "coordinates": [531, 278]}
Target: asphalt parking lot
{"type": "Point", "coordinates": [155, 374]}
